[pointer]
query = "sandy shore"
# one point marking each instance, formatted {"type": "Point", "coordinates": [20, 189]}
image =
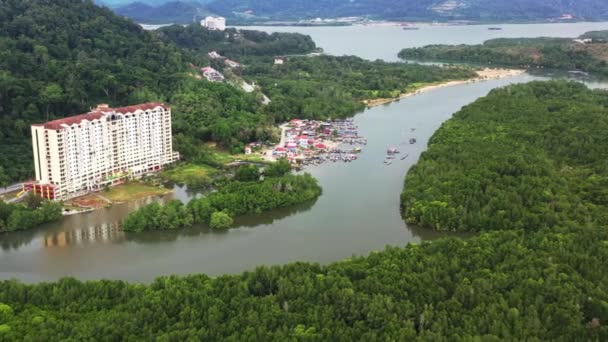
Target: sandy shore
{"type": "Point", "coordinates": [482, 75]}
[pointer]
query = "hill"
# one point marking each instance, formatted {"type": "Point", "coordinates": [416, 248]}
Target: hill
{"type": "Point", "coordinates": [59, 58]}
{"type": "Point", "coordinates": [589, 53]}
{"type": "Point", "coordinates": [170, 12]}
{"type": "Point", "coordinates": [244, 11]}
{"type": "Point", "coordinates": [477, 10]}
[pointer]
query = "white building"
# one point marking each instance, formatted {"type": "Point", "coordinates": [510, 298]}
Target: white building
{"type": "Point", "coordinates": [212, 75]}
{"type": "Point", "coordinates": [214, 55]}
{"type": "Point", "coordinates": [232, 64]}
{"type": "Point", "coordinates": [87, 152]}
{"type": "Point", "coordinates": [214, 23]}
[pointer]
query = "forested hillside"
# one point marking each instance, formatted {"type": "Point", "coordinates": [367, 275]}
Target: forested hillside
{"type": "Point", "coordinates": [183, 12]}
{"type": "Point", "coordinates": [526, 157]}
{"type": "Point", "coordinates": [329, 86]}
{"type": "Point", "coordinates": [59, 58]}
{"type": "Point", "coordinates": [555, 53]}
{"type": "Point", "coordinates": [235, 43]}
{"type": "Point", "coordinates": [498, 286]}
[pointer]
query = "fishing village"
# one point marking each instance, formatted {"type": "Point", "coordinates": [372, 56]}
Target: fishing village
{"type": "Point", "coordinates": [313, 142]}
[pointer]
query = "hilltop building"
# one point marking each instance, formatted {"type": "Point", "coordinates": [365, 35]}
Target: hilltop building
{"type": "Point", "coordinates": [214, 23]}
{"type": "Point", "coordinates": [84, 153]}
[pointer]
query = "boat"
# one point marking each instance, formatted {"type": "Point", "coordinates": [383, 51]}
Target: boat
{"type": "Point", "coordinates": [388, 162]}
{"type": "Point", "coordinates": [390, 157]}
{"type": "Point", "coordinates": [413, 141]}
{"type": "Point", "coordinates": [405, 156]}
{"type": "Point", "coordinates": [392, 150]}
{"type": "Point", "coordinates": [495, 28]}
{"type": "Point", "coordinates": [411, 28]}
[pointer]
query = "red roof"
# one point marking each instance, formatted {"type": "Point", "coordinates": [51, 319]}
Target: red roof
{"type": "Point", "coordinates": [97, 114]}
{"type": "Point", "coordinates": [280, 149]}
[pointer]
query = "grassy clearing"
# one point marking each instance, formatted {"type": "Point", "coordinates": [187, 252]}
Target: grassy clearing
{"type": "Point", "coordinates": [184, 172]}
{"type": "Point", "coordinates": [132, 191]}
{"type": "Point", "coordinates": [221, 157]}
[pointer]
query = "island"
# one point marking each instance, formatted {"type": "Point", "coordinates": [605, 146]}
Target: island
{"type": "Point", "coordinates": [587, 53]}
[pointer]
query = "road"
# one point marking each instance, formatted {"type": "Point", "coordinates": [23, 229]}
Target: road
{"type": "Point", "coordinates": [11, 188]}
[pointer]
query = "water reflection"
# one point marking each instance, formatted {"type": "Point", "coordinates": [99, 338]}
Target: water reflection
{"type": "Point", "coordinates": [104, 233]}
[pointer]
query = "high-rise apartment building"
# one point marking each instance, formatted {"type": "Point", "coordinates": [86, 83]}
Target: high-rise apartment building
{"type": "Point", "coordinates": [84, 153]}
{"type": "Point", "coordinates": [214, 23]}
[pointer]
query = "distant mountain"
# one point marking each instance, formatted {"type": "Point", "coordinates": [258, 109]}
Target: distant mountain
{"type": "Point", "coordinates": [180, 12]}
{"type": "Point", "coordinates": [486, 10]}
{"type": "Point", "coordinates": [120, 3]}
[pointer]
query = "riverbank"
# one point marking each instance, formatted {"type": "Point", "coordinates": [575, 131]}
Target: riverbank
{"type": "Point", "coordinates": [482, 75]}
{"type": "Point", "coordinates": [116, 194]}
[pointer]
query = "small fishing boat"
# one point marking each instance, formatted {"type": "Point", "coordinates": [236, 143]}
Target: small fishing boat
{"type": "Point", "coordinates": [388, 162]}
{"type": "Point", "coordinates": [392, 150]}
{"type": "Point", "coordinates": [412, 140]}
{"type": "Point", "coordinates": [495, 28]}
{"type": "Point", "coordinates": [405, 156]}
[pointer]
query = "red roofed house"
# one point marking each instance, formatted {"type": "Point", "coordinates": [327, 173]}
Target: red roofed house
{"type": "Point", "coordinates": [84, 153]}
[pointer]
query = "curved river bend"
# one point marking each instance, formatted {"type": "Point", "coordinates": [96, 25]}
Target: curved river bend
{"type": "Point", "coordinates": [357, 213]}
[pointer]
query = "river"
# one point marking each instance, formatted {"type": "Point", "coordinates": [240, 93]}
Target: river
{"type": "Point", "coordinates": [357, 213]}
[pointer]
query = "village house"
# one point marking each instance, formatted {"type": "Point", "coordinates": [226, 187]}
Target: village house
{"type": "Point", "coordinates": [232, 64]}
{"type": "Point", "coordinates": [212, 75]}
{"type": "Point", "coordinates": [215, 55]}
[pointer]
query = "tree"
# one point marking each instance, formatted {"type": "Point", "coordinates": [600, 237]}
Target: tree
{"type": "Point", "coordinates": [220, 220]}
{"type": "Point", "coordinates": [277, 169]}
{"type": "Point", "coordinates": [247, 173]}
{"type": "Point", "coordinates": [51, 95]}
{"type": "Point", "coordinates": [4, 179]}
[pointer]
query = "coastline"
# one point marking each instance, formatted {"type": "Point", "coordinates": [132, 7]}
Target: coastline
{"type": "Point", "coordinates": [482, 75]}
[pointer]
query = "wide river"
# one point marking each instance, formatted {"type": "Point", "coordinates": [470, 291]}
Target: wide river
{"type": "Point", "coordinates": [357, 213]}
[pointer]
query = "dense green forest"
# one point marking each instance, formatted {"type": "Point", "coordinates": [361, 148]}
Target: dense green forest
{"type": "Point", "coordinates": [59, 58]}
{"type": "Point", "coordinates": [235, 43]}
{"type": "Point", "coordinates": [498, 286]}
{"type": "Point", "coordinates": [246, 195]}
{"type": "Point", "coordinates": [178, 12]}
{"type": "Point", "coordinates": [329, 86]}
{"type": "Point", "coordinates": [33, 212]}
{"type": "Point", "coordinates": [553, 53]}
{"type": "Point", "coordinates": [524, 157]}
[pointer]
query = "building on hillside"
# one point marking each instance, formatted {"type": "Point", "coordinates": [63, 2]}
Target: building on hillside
{"type": "Point", "coordinates": [279, 60]}
{"type": "Point", "coordinates": [84, 153]}
{"type": "Point", "coordinates": [214, 23]}
{"type": "Point", "coordinates": [212, 75]}
{"type": "Point", "coordinates": [232, 64]}
{"type": "Point", "coordinates": [214, 55]}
